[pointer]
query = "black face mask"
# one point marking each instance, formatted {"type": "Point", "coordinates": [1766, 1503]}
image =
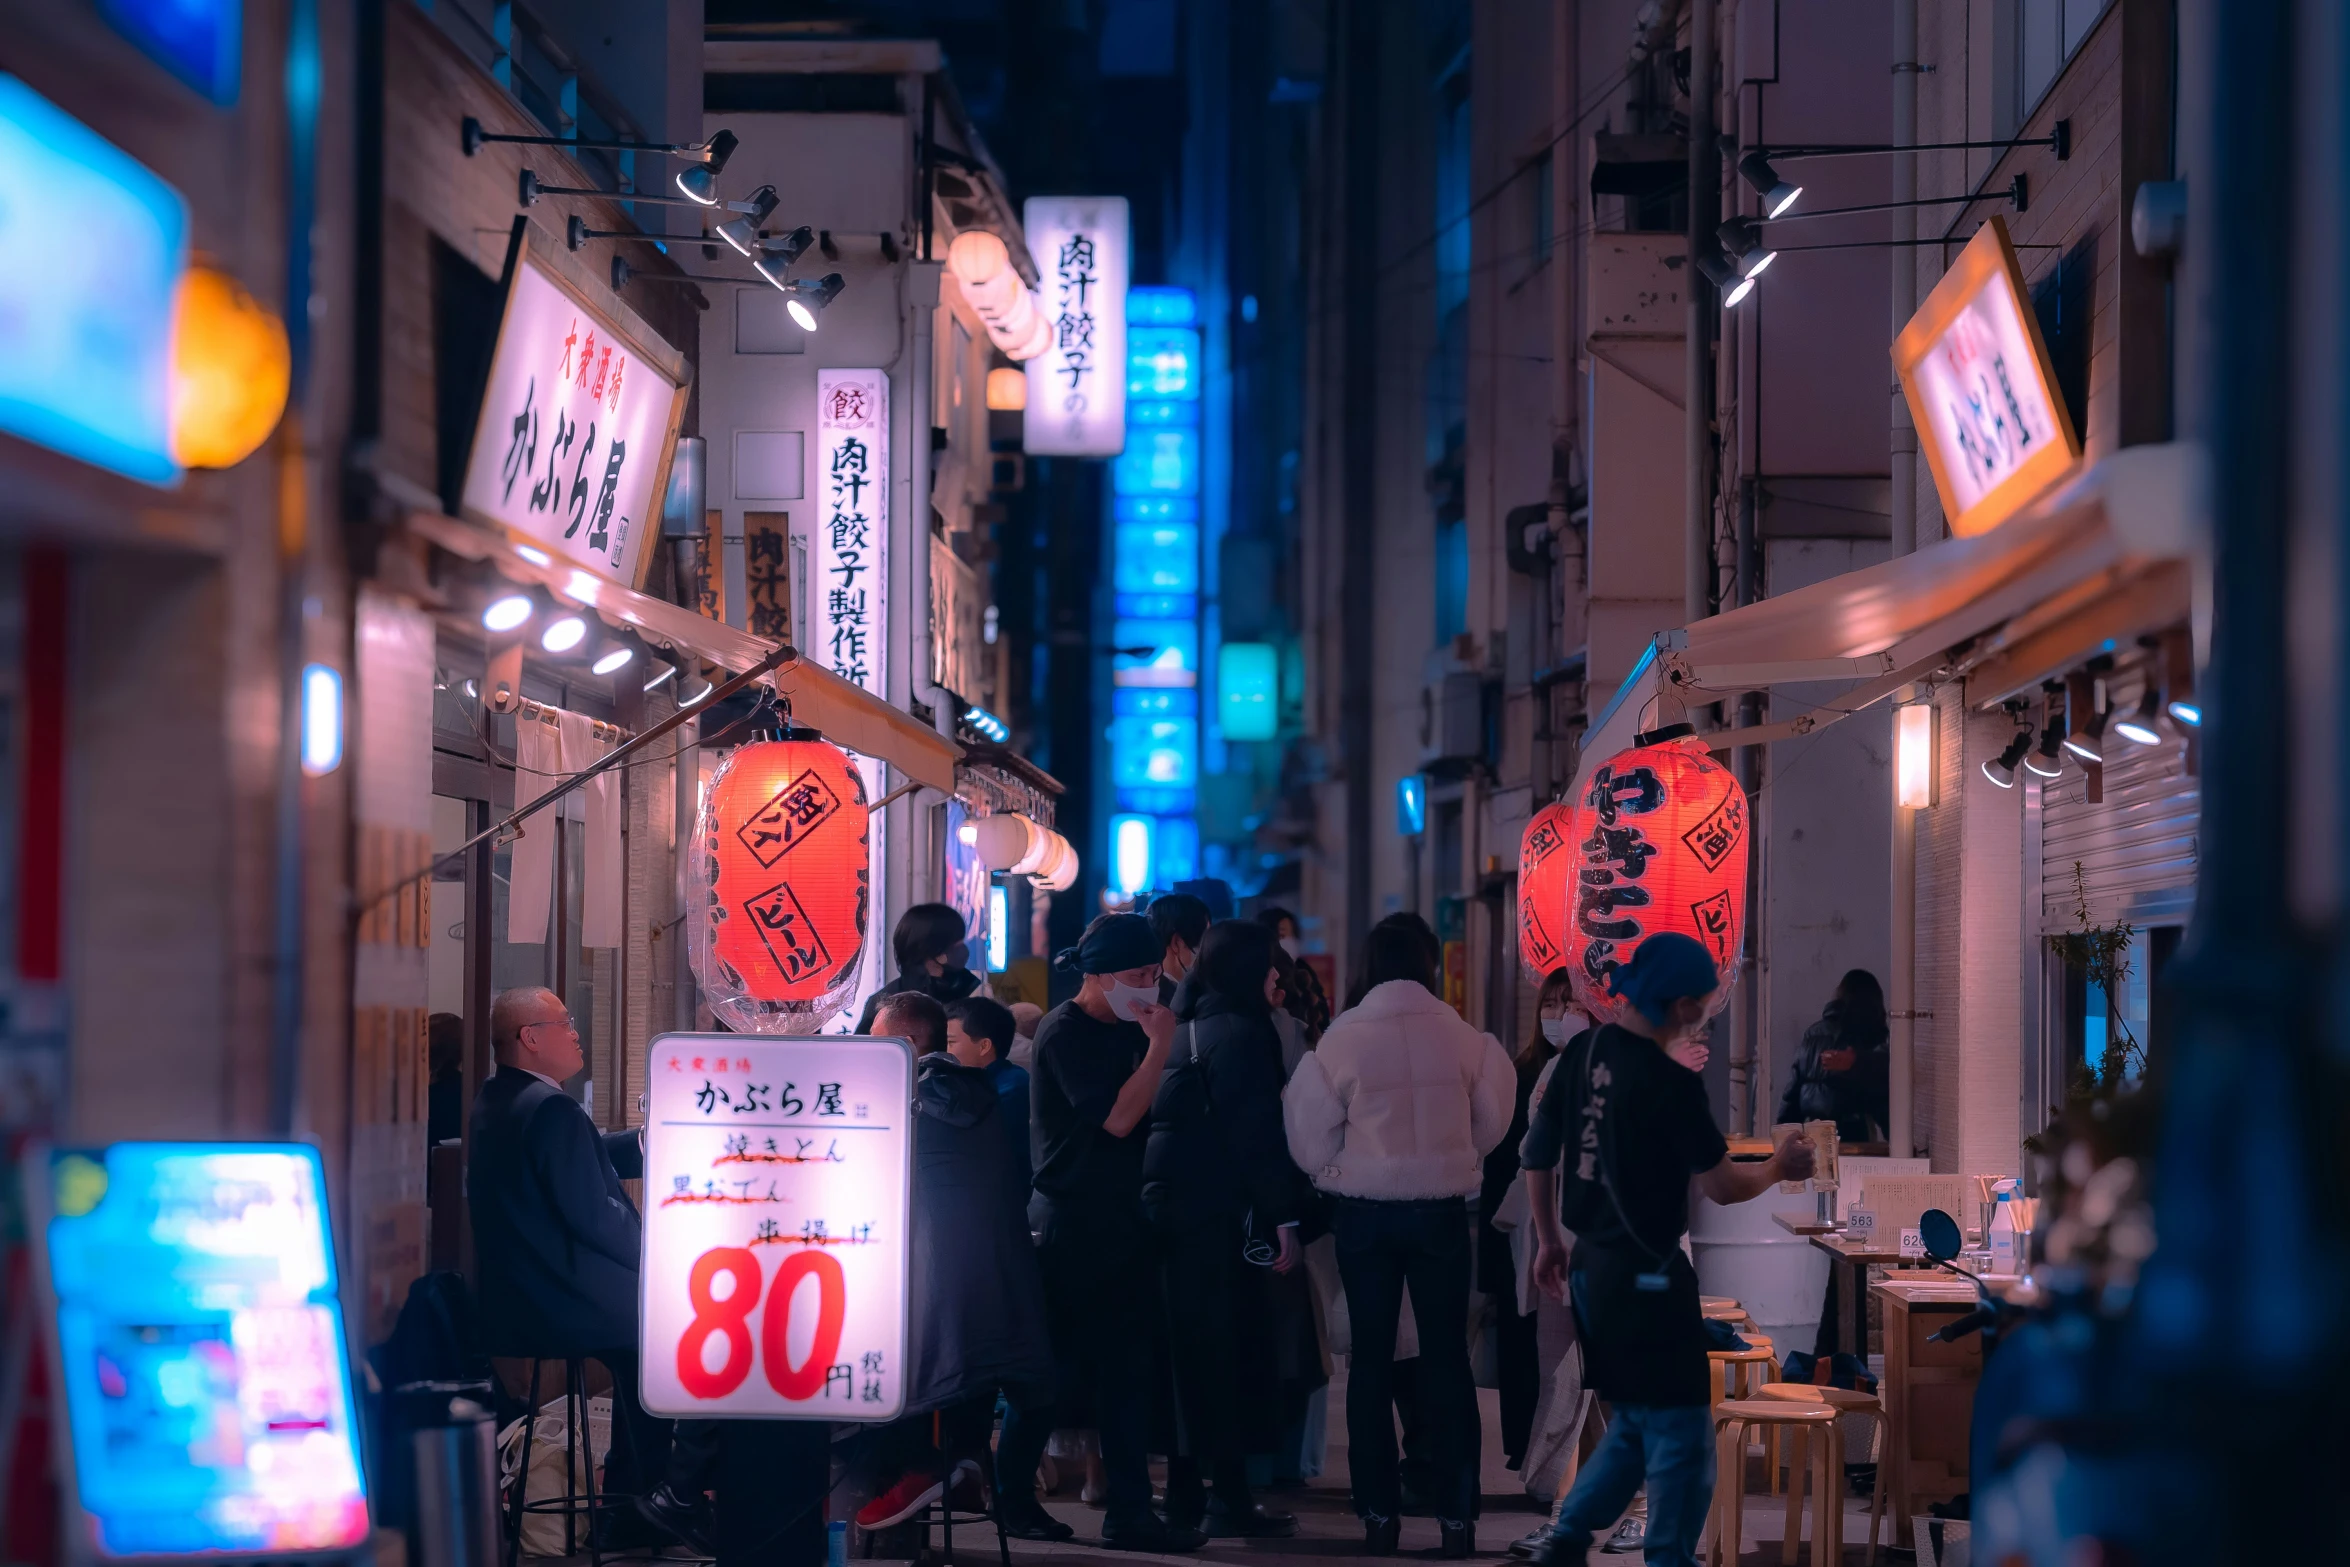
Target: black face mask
{"type": "Point", "coordinates": [957, 956]}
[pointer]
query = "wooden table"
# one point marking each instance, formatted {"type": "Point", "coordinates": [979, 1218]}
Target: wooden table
{"type": "Point", "coordinates": [1850, 1262]}
{"type": "Point", "coordinates": [1803, 1227]}
{"type": "Point", "coordinates": [1929, 1391]}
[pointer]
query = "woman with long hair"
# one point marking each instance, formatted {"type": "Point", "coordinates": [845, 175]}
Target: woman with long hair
{"type": "Point", "coordinates": [1220, 1190]}
{"type": "Point", "coordinates": [1557, 1020]}
{"type": "Point", "coordinates": [1845, 1073]}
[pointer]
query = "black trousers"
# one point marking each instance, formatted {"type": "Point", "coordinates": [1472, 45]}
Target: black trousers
{"type": "Point", "coordinates": [1521, 1375]}
{"type": "Point", "coordinates": [1223, 1363]}
{"type": "Point", "coordinates": [1101, 1296]}
{"type": "Point", "coordinates": [1383, 1248]}
{"type": "Point", "coordinates": [648, 1449]}
{"type": "Point", "coordinates": [772, 1478]}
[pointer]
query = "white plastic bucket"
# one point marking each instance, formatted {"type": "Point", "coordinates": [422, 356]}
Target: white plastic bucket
{"type": "Point", "coordinates": [1779, 1278]}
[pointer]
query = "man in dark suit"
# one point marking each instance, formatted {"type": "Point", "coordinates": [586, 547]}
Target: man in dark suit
{"type": "Point", "coordinates": [557, 1241]}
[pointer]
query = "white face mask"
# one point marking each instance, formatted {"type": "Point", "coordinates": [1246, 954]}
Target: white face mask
{"type": "Point", "coordinates": [1557, 1031]}
{"type": "Point", "coordinates": [1293, 946]}
{"type": "Point", "coordinates": [1127, 1001]}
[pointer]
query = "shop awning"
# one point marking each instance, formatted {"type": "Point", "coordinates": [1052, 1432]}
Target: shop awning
{"type": "Point", "coordinates": [846, 713]}
{"type": "Point", "coordinates": [2101, 558]}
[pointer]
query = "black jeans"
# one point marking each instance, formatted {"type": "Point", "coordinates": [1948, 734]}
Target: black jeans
{"type": "Point", "coordinates": [1100, 1294]}
{"type": "Point", "coordinates": [1383, 1247]}
{"type": "Point", "coordinates": [648, 1449]}
{"type": "Point", "coordinates": [1220, 1356]}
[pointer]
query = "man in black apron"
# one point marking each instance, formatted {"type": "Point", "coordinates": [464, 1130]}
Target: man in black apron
{"type": "Point", "coordinates": [1634, 1131]}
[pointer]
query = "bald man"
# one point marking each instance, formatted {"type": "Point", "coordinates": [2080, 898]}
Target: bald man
{"type": "Point", "coordinates": [556, 1243]}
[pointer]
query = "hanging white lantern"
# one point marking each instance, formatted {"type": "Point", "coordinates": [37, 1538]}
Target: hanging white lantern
{"type": "Point", "coordinates": [1003, 841]}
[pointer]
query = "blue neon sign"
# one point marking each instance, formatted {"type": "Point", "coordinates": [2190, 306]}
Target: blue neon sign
{"type": "Point", "coordinates": [92, 248]}
{"type": "Point", "coordinates": [1158, 461]}
{"type": "Point", "coordinates": [1156, 558]}
{"type": "Point", "coordinates": [1159, 305]}
{"type": "Point", "coordinates": [1248, 688]}
{"type": "Point", "coordinates": [1162, 361]}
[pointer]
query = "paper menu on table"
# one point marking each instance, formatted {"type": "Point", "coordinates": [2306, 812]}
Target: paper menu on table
{"type": "Point", "coordinates": [774, 1281]}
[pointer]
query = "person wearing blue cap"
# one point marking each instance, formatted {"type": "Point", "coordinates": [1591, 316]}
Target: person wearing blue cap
{"type": "Point", "coordinates": [1099, 1057]}
{"type": "Point", "coordinates": [1610, 1156]}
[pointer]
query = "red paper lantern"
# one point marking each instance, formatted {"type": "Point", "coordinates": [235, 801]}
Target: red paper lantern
{"type": "Point", "coordinates": [1546, 876]}
{"type": "Point", "coordinates": [1659, 843]}
{"type": "Point", "coordinates": [782, 885]}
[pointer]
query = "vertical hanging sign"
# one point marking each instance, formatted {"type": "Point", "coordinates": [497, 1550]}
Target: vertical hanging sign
{"type": "Point", "coordinates": [848, 596]}
{"type": "Point", "coordinates": [1077, 387]}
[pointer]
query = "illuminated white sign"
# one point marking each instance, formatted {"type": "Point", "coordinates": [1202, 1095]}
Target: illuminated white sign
{"type": "Point", "coordinates": [577, 426]}
{"type": "Point", "coordinates": [849, 600]}
{"type": "Point", "coordinates": [1981, 392]}
{"type": "Point", "coordinates": [1077, 387]}
{"type": "Point", "coordinates": [775, 1262]}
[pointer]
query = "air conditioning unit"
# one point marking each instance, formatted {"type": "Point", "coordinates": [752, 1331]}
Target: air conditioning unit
{"type": "Point", "coordinates": [1452, 724]}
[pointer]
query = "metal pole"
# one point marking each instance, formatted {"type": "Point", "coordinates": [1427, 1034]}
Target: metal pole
{"type": "Point", "coordinates": [1705, 215]}
{"type": "Point", "coordinates": [1358, 449]}
{"type": "Point", "coordinates": [1901, 990]}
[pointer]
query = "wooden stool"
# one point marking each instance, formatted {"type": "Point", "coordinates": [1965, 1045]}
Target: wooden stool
{"type": "Point", "coordinates": [1740, 1371]}
{"type": "Point", "coordinates": [1721, 1308]}
{"type": "Point", "coordinates": [1845, 1401]}
{"type": "Point", "coordinates": [1733, 1419]}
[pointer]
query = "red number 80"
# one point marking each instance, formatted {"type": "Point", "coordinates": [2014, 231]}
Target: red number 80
{"type": "Point", "coordinates": [732, 1317]}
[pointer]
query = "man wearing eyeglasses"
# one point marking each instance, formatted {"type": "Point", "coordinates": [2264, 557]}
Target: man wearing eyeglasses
{"type": "Point", "coordinates": [556, 1242]}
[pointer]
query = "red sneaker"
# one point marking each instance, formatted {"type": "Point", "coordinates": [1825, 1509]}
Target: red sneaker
{"type": "Point", "coordinates": [913, 1492]}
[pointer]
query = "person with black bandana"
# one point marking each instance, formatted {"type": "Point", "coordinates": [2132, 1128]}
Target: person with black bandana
{"type": "Point", "coordinates": [1611, 1155]}
{"type": "Point", "coordinates": [1099, 1058]}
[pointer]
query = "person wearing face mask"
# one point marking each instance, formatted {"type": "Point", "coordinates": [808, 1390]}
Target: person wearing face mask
{"type": "Point", "coordinates": [1180, 921]}
{"type": "Point", "coordinates": [1557, 1021]}
{"type": "Point", "coordinates": [1615, 1145]}
{"type": "Point", "coordinates": [929, 944]}
{"type": "Point", "coordinates": [1307, 1001]}
{"type": "Point", "coordinates": [1099, 1058]}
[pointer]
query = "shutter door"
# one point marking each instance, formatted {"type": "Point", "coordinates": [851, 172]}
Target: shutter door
{"type": "Point", "coordinates": [2136, 848]}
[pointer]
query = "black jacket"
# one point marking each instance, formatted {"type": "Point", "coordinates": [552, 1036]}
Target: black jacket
{"type": "Point", "coordinates": [978, 1296]}
{"type": "Point", "coordinates": [1496, 1270]}
{"type": "Point", "coordinates": [1852, 1098]}
{"type": "Point", "coordinates": [556, 1238]}
{"type": "Point", "coordinates": [1217, 1149]}
{"type": "Point", "coordinates": [945, 989]}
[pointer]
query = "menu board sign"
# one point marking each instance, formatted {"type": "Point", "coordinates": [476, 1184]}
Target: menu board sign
{"type": "Point", "coordinates": [775, 1266]}
{"type": "Point", "coordinates": [578, 424]}
{"type": "Point", "coordinates": [1989, 417]}
{"type": "Point", "coordinates": [199, 1342]}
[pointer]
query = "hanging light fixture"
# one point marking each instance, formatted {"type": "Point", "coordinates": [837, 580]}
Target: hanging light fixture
{"type": "Point", "coordinates": [508, 613]}
{"type": "Point", "coordinates": [614, 661]}
{"type": "Point", "coordinates": [563, 634]}
{"type": "Point", "coordinates": [2084, 719]}
{"type": "Point", "coordinates": [1777, 195]}
{"type": "Point", "coordinates": [1741, 240]}
{"type": "Point", "coordinates": [742, 230]}
{"type": "Point", "coordinates": [2047, 758]}
{"type": "Point", "coordinates": [2000, 769]}
{"type": "Point", "coordinates": [777, 255]}
{"type": "Point", "coordinates": [699, 181]}
{"type": "Point", "coordinates": [2142, 724]}
{"type": "Point", "coordinates": [807, 300]}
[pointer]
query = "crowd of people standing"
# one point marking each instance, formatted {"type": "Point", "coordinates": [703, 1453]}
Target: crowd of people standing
{"type": "Point", "coordinates": [1147, 1222]}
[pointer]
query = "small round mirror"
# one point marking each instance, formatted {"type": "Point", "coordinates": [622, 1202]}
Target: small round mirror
{"type": "Point", "coordinates": [1940, 1233]}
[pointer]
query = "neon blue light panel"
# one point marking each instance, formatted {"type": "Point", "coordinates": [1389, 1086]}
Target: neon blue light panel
{"type": "Point", "coordinates": [1156, 558]}
{"type": "Point", "coordinates": [1161, 753]}
{"type": "Point", "coordinates": [1172, 644]}
{"type": "Point", "coordinates": [201, 1338]}
{"type": "Point", "coordinates": [198, 41]}
{"type": "Point", "coordinates": [1158, 462]}
{"type": "Point", "coordinates": [1154, 508]}
{"type": "Point", "coordinates": [1411, 805]}
{"type": "Point", "coordinates": [1130, 853]}
{"type": "Point", "coordinates": [1162, 361]}
{"type": "Point", "coordinates": [1158, 305]}
{"type": "Point", "coordinates": [1155, 702]}
{"type": "Point", "coordinates": [92, 246]}
{"type": "Point", "coordinates": [1248, 688]}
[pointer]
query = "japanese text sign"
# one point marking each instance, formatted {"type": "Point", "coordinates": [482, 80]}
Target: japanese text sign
{"type": "Point", "coordinates": [849, 602]}
{"type": "Point", "coordinates": [775, 1265]}
{"type": "Point", "coordinates": [1993, 427]}
{"type": "Point", "coordinates": [1077, 387]}
{"type": "Point", "coordinates": [577, 426]}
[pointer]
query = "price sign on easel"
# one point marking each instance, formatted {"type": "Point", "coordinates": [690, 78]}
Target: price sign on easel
{"type": "Point", "coordinates": [775, 1264]}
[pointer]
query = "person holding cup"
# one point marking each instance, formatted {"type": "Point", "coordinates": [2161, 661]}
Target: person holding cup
{"type": "Point", "coordinates": [1613, 1150]}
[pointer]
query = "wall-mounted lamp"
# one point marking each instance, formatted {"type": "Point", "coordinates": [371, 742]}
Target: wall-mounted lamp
{"type": "Point", "coordinates": [806, 300]}
{"type": "Point", "coordinates": [777, 255]}
{"type": "Point", "coordinates": [614, 661]}
{"type": "Point", "coordinates": [1777, 195]}
{"type": "Point", "coordinates": [471, 136]}
{"type": "Point", "coordinates": [2047, 758]}
{"type": "Point", "coordinates": [322, 719]}
{"type": "Point", "coordinates": [742, 230]}
{"type": "Point", "coordinates": [2084, 719]}
{"type": "Point", "coordinates": [2001, 769]}
{"type": "Point", "coordinates": [528, 190]}
{"type": "Point", "coordinates": [1913, 755]}
{"type": "Point", "coordinates": [508, 612]}
{"type": "Point", "coordinates": [700, 181]}
{"type": "Point", "coordinates": [563, 634]}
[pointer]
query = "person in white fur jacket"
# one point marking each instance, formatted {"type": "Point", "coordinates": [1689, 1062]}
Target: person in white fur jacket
{"type": "Point", "coordinates": [1392, 1114]}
